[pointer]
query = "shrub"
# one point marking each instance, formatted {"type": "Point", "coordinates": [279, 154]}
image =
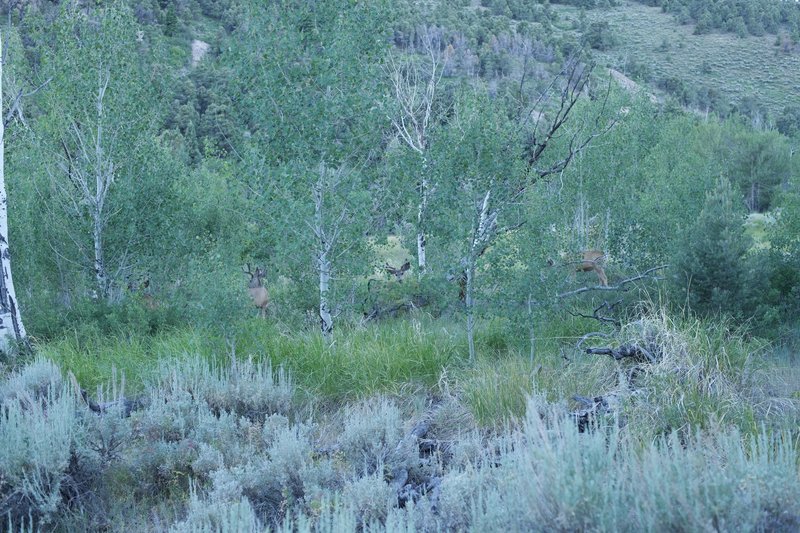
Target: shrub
{"type": "Point", "coordinates": [371, 431]}
{"type": "Point", "coordinates": [370, 497]}
{"type": "Point", "coordinates": [36, 443]}
{"type": "Point", "coordinates": [205, 516]}
{"type": "Point", "coordinates": [245, 388]}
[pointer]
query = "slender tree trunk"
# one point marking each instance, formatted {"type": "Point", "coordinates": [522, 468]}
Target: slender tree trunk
{"type": "Point", "coordinates": [11, 328]}
{"type": "Point", "coordinates": [482, 235]}
{"type": "Point", "coordinates": [469, 302]}
{"type": "Point", "coordinates": [324, 266]}
{"type": "Point", "coordinates": [326, 319]}
{"type": "Point", "coordinates": [103, 178]}
{"type": "Point", "coordinates": [753, 197]}
{"type": "Point", "coordinates": [101, 278]}
{"type": "Point", "coordinates": [532, 331]}
{"type": "Point", "coordinates": [422, 208]}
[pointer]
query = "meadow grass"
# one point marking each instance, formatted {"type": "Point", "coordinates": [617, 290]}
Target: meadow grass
{"type": "Point", "coordinates": [358, 362]}
{"type": "Point", "coordinates": [736, 67]}
{"type": "Point", "coordinates": [707, 373]}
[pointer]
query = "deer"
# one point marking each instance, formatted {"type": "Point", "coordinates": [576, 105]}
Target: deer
{"type": "Point", "coordinates": [398, 272]}
{"type": "Point", "coordinates": [143, 288]}
{"type": "Point", "coordinates": [258, 292]}
{"type": "Point", "coordinates": [592, 260]}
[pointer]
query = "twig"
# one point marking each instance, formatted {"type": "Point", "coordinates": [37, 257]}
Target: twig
{"type": "Point", "coordinates": [599, 317]}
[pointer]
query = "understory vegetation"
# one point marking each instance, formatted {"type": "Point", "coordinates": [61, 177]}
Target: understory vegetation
{"type": "Point", "coordinates": [341, 265]}
{"type": "Point", "coordinates": [250, 439]}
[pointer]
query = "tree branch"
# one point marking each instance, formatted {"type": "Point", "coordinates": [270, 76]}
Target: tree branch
{"type": "Point", "coordinates": [621, 286]}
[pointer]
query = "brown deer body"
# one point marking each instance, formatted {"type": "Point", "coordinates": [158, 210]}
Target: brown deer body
{"type": "Point", "coordinates": [592, 260]}
{"type": "Point", "coordinates": [258, 292]}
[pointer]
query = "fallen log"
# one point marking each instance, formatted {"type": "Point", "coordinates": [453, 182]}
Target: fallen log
{"type": "Point", "coordinates": [634, 351]}
{"type": "Point", "coordinates": [128, 405]}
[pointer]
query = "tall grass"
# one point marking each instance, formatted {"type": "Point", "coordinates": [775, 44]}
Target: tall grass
{"type": "Point", "coordinates": [360, 361]}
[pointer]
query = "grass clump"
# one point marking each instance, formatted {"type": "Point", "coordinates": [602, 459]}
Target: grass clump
{"type": "Point", "coordinates": [702, 377]}
{"type": "Point", "coordinates": [360, 362]}
{"type": "Point", "coordinates": [496, 391]}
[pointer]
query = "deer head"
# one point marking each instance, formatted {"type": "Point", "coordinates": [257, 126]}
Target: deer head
{"type": "Point", "coordinates": [255, 287]}
{"type": "Point", "coordinates": [398, 273]}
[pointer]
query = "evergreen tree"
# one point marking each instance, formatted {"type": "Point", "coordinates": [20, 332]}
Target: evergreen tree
{"type": "Point", "coordinates": [711, 265]}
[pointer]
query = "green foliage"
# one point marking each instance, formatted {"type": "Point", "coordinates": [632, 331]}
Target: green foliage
{"type": "Point", "coordinates": [789, 121]}
{"type": "Point", "coordinates": [600, 36]}
{"type": "Point", "coordinates": [742, 17]}
{"type": "Point", "coordinates": [496, 391]}
{"type": "Point", "coordinates": [711, 267]}
{"type": "Point", "coordinates": [89, 318]}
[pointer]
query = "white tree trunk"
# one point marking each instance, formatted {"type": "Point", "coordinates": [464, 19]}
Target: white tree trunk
{"type": "Point", "coordinates": [483, 233]}
{"type": "Point", "coordinates": [11, 328]}
{"type": "Point", "coordinates": [324, 245]}
{"type": "Point", "coordinates": [531, 329]}
{"type": "Point", "coordinates": [326, 319]}
{"type": "Point", "coordinates": [99, 265]}
{"type": "Point", "coordinates": [422, 208]}
{"type": "Point", "coordinates": [104, 177]}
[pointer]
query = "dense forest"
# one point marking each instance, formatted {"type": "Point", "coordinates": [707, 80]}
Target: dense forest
{"type": "Point", "coordinates": [331, 265]}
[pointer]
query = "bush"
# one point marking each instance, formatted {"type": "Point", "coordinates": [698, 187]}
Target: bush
{"type": "Point", "coordinates": [37, 433]}
{"type": "Point", "coordinates": [87, 318]}
{"type": "Point", "coordinates": [555, 478]}
{"type": "Point", "coordinates": [600, 36]}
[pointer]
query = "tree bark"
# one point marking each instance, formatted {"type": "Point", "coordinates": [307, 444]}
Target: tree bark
{"type": "Point", "coordinates": [531, 329]}
{"type": "Point", "coordinates": [324, 243]}
{"type": "Point", "coordinates": [11, 328]}
{"type": "Point", "coordinates": [99, 265]}
{"type": "Point", "coordinates": [422, 263]}
{"type": "Point", "coordinates": [104, 176]}
{"type": "Point", "coordinates": [482, 235]}
{"type": "Point", "coordinates": [469, 301]}
{"type": "Point", "coordinates": [326, 319]}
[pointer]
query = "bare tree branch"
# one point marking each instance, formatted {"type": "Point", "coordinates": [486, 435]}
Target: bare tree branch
{"type": "Point", "coordinates": [600, 318]}
{"type": "Point", "coordinates": [621, 286]}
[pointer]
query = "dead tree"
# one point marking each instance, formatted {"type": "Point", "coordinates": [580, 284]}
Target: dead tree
{"type": "Point", "coordinates": [85, 179]}
{"type": "Point", "coordinates": [415, 87]}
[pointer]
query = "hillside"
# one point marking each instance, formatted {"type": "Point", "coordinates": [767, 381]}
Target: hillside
{"type": "Point", "coordinates": [750, 73]}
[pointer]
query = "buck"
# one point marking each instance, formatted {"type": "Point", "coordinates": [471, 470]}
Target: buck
{"type": "Point", "coordinates": [592, 260]}
{"type": "Point", "coordinates": [256, 289]}
{"type": "Point", "coordinates": [398, 272]}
